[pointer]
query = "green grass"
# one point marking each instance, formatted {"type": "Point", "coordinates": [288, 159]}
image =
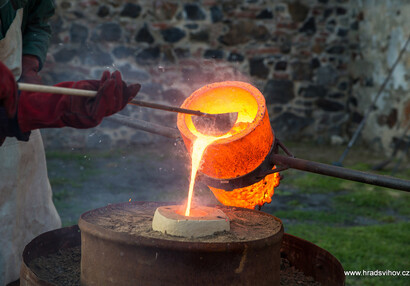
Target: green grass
{"type": "Point", "coordinates": [62, 181]}
{"type": "Point", "coordinates": [373, 201]}
{"type": "Point", "coordinates": [310, 217]}
{"type": "Point", "coordinates": [69, 222]}
{"type": "Point", "coordinates": [378, 247]}
{"type": "Point", "coordinates": [313, 183]}
{"type": "Point", "coordinates": [62, 195]}
{"type": "Point", "coordinates": [381, 245]}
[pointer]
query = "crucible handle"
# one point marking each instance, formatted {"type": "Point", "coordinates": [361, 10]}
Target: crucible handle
{"type": "Point", "coordinates": [343, 173]}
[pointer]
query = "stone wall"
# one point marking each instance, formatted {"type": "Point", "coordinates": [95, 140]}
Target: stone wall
{"type": "Point", "coordinates": [307, 57]}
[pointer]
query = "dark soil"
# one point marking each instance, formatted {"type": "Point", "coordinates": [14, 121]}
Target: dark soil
{"type": "Point", "coordinates": [289, 276]}
{"type": "Point", "coordinates": [136, 219]}
{"type": "Point", "coordinates": [63, 268]}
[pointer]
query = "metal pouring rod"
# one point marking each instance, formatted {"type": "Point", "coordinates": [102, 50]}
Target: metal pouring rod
{"type": "Point", "coordinates": [93, 93]}
{"type": "Point", "coordinates": [343, 173]}
{"type": "Point", "coordinates": [169, 108]}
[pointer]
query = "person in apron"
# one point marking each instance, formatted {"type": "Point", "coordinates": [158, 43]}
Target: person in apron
{"type": "Point", "coordinates": [26, 207]}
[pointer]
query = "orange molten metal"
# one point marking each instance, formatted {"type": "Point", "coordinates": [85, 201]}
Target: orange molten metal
{"type": "Point", "coordinates": [242, 149]}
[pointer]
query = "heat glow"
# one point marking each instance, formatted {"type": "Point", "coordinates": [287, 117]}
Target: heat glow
{"type": "Point", "coordinates": [234, 154]}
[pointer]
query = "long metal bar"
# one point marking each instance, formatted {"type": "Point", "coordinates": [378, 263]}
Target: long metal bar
{"type": "Point", "coordinates": [343, 173]}
{"type": "Point", "coordinates": [92, 93]}
{"type": "Point", "coordinates": [170, 108]}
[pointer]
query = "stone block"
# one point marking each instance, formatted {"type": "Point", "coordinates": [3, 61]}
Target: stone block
{"type": "Point", "coordinates": [194, 12]}
{"type": "Point", "coordinates": [131, 10]}
{"type": "Point", "coordinates": [327, 12]}
{"type": "Point", "coordinates": [289, 124]}
{"type": "Point", "coordinates": [144, 35]}
{"type": "Point", "coordinates": [278, 91]}
{"type": "Point", "coordinates": [341, 11]}
{"type": "Point", "coordinates": [103, 11]}
{"type": "Point", "coordinates": [298, 11]}
{"type": "Point", "coordinates": [173, 35]}
{"type": "Point", "coordinates": [314, 63]}
{"type": "Point", "coordinates": [192, 26]}
{"type": "Point", "coordinates": [239, 33]}
{"type": "Point", "coordinates": [200, 36]}
{"type": "Point", "coordinates": [216, 14]}
{"type": "Point", "coordinates": [309, 27]}
{"type": "Point", "coordinates": [265, 14]}
{"type": "Point", "coordinates": [235, 57]}
{"type": "Point", "coordinates": [281, 66]}
{"type": "Point", "coordinates": [78, 33]}
{"type": "Point", "coordinates": [329, 105]}
{"type": "Point", "coordinates": [214, 54]}
{"type": "Point", "coordinates": [326, 75]}
{"type": "Point", "coordinates": [257, 68]}
{"type": "Point", "coordinates": [109, 32]}
{"type": "Point", "coordinates": [336, 49]}
{"type": "Point", "coordinates": [342, 32]}
{"type": "Point", "coordinates": [301, 71]}
{"type": "Point", "coordinates": [148, 55]}
{"type": "Point", "coordinates": [313, 91]}
{"type": "Point", "coordinates": [336, 95]}
{"type": "Point", "coordinates": [122, 52]}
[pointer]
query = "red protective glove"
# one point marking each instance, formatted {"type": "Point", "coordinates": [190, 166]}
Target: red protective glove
{"type": "Point", "coordinates": [8, 91]}
{"type": "Point", "coordinates": [44, 110]}
{"type": "Point", "coordinates": [8, 106]}
{"type": "Point", "coordinates": [30, 67]}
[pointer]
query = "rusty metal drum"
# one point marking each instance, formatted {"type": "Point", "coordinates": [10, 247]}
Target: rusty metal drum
{"type": "Point", "coordinates": [111, 256]}
{"type": "Point", "coordinates": [303, 255]}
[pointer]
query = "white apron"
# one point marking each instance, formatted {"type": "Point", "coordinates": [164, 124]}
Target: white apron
{"type": "Point", "coordinates": [26, 207]}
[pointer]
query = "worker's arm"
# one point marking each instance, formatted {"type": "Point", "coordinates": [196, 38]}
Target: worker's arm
{"type": "Point", "coordinates": [45, 110]}
{"type": "Point", "coordinates": [31, 110]}
{"type": "Point", "coordinates": [36, 37]}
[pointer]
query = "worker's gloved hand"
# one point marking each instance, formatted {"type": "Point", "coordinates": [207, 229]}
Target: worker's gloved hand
{"type": "Point", "coordinates": [44, 110]}
{"type": "Point", "coordinates": [30, 67]}
{"type": "Point", "coordinates": [8, 107]}
{"type": "Point", "coordinates": [8, 91]}
{"type": "Point", "coordinates": [9, 127]}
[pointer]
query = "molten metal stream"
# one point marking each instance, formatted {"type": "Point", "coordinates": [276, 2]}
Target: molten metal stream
{"type": "Point", "coordinates": [198, 149]}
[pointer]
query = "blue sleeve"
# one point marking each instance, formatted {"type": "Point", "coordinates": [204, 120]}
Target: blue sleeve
{"type": "Point", "coordinates": [36, 29]}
